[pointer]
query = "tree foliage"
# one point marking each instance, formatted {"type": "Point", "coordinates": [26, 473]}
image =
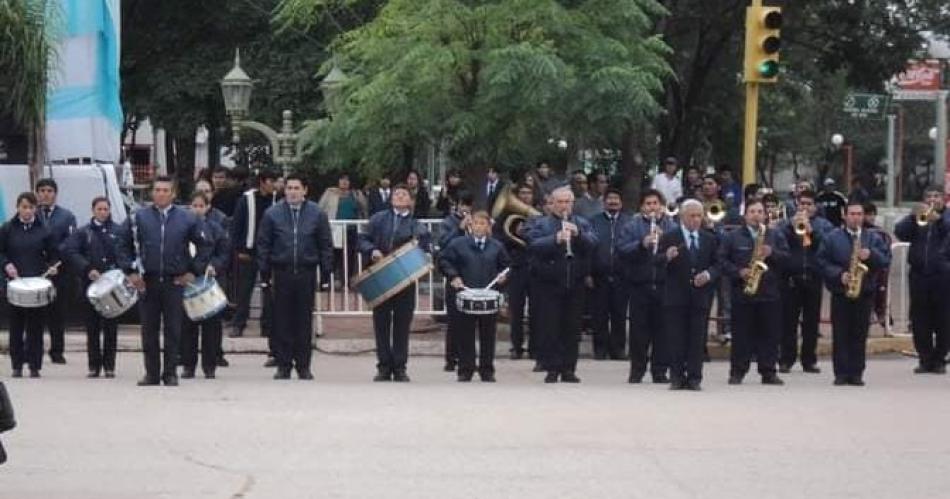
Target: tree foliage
{"type": "Point", "coordinates": [27, 51]}
{"type": "Point", "coordinates": [488, 81]}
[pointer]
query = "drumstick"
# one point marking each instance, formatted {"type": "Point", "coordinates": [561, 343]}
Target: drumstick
{"type": "Point", "coordinates": [501, 274]}
{"type": "Point", "coordinates": [54, 267]}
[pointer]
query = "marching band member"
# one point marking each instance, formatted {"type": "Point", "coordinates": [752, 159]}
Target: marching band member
{"type": "Point", "coordinates": [472, 262]}
{"type": "Point", "coordinates": [926, 230]}
{"type": "Point", "coordinates": [209, 329]}
{"type": "Point", "coordinates": [756, 305]}
{"type": "Point", "coordinates": [689, 259]}
{"type": "Point", "coordinates": [294, 240]}
{"type": "Point", "coordinates": [638, 244]}
{"type": "Point", "coordinates": [159, 236]}
{"type": "Point", "coordinates": [90, 251]}
{"type": "Point", "coordinates": [879, 302]}
{"type": "Point", "coordinates": [456, 224]}
{"type": "Point", "coordinates": [847, 253]}
{"type": "Point", "coordinates": [27, 249]}
{"type": "Point", "coordinates": [386, 232]}
{"type": "Point", "coordinates": [248, 213]}
{"type": "Point", "coordinates": [519, 279]}
{"type": "Point", "coordinates": [609, 297]}
{"type": "Point", "coordinates": [801, 284]}
{"type": "Point", "coordinates": [560, 245]}
{"type": "Point", "coordinates": [61, 223]}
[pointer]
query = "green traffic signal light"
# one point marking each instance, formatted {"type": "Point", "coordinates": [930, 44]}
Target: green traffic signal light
{"type": "Point", "coordinates": [768, 69]}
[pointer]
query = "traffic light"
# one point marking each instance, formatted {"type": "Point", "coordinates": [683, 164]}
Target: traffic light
{"type": "Point", "coordinates": [762, 43]}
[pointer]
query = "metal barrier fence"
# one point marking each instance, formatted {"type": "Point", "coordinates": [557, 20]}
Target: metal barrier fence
{"type": "Point", "coordinates": [340, 300]}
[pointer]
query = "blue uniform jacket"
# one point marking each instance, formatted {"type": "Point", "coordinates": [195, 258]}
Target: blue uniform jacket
{"type": "Point", "coordinates": [549, 260]}
{"type": "Point", "coordinates": [163, 247]}
{"type": "Point", "coordinates": [735, 253]}
{"type": "Point", "coordinates": [803, 262]}
{"type": "Point", "coordinates": [31, 249]}
{"type": "Point", "coordinates": [379, 234]}
{"type": "Point", "coordinates": [926, 243]}
{"type": "Point", "coordinates": [606, 262]}
{"type": "Point", "coordinates": [306, 244]}
{"type": "Point", "coordinates": [92, 247]}
{"type": "Point", "coordinates": [638, 259]}
{"type": "Point", "coordinates": [462, 258]}
{"type": "Point", "coordinates": [834, 256]}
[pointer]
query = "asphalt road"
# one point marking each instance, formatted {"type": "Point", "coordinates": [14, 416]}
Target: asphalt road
{"type": "Point", "coordinates": [245, 435]}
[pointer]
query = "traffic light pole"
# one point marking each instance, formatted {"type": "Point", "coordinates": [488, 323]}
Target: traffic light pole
{"type": "Point", "coordinates": [749, 144]}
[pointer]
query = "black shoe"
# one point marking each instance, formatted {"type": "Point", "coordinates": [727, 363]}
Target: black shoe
{"type": "Point", "coordinates": [400, 376]}
{"type": "Point", "coordinates": [487, 377]}
{"type": "Point", "coordinates": [282, 373]}
{"type": "Point", "coordinates": [941, 369]}
{"type": "Point", "coordinates": [784, 368]}
{"type": "Point", "coordinates": [209, 374]}
{"type": "Point", "coordinates": [149, 381]}
{"type": "Point", "coordinates": [735, 379]}
{"type": "Point", "coordinates": [464, 377]}
{"type": "Point", "coordinates": [840, 381]}
{"type": "Point", "coordinates": [57, 358]}
{"type": "Point", "coordinates": [34, 373]}
{"type": "Point", "coordinates": [569, 377]}
{"type": "Point", "coordinates": [677, 384]}
{"type": "Point", "coordinates": [812, 369]}
{"type": "Point", "coordinates": [110, 374]}
{"type": "Point", "coordinates": [171, 379]}
{"type": "Point", "coordinates": [188, 373]}
{"type": "Point", "coordinates": [600, 355]}
{"type": "Point", "coordinates": [635, 378]}
{"type": "Point", "coordinates": [694, 385]}
{"type": "Point", "coordinates": [93, 374]}
{"type": "Point", "coordinates": [17, 373]}
{"type": "Point", "coordinates": [772, 379]}
{"type": "Point", "coordinates": [618, 356]}
{"type": "Point", "coordinates": [551, 377]}
{"type": "Point", "coordinates": [538, 368]}
{"type": "Point", "coordinates": [237, 332]}
{"type": "Point", "coordinates": [856, 381]}
{"type": "Point", "coordinates": [921, 370]}
{"type": "Point", "coordinates": [449, 366]}
{"type": "Point", "coordinates": [382, 375]}
{"type": "Point", "coordinates": [221, 362]}
{"type": "Point", "coordinates": [516, 355]}
{"type": "Point", "coordinates": [661, 379]}
{"type": "Point", "coordinates": [304, 374]}
{"type": "Point", "coordinates": [270, 362]}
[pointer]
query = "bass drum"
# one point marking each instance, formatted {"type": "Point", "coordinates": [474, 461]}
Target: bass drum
{"type": "Point", "coordinates": [392, 274]}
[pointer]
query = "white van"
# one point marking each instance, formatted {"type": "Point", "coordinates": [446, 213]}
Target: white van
{"type": "Point", "coordinates": [78, 185]}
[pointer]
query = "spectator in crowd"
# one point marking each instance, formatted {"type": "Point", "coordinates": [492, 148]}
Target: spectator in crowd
{"type": "Point", "coordinates": [666, 181]}
{"type": "Point", "coordinates": [418, 191]}
{"type": "Point", "coordinates": [449, 195]}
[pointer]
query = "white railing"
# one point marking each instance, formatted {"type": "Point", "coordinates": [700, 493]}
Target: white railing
{"type": "Point", "coordinates": [341, 300]}
{"type": "Point", "coordinates": [898, 290]}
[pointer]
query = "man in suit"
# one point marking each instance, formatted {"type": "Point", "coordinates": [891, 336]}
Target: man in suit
{"type": "Point", "coordinates": [689, 256]}
{"type": "Point", "coordinates": [928, 304]}
{"type": "Point", "coordinates": [756, 318]}
{"type": "Point", "coordinates": [609, 295]}
{"type": "Point", "coordinates": [490, 189]}
{"type": "Point", "coordinates": [638, 243]}
{"type": "Point", "coordinates": [386, 232]}
{"type": "Point", "coordinates": [801, 284]}
{"type": "Point", "coordinates": [560, 246]}
{"type": "Point", "coordinates": [61, 223]}
{"type": "Point", "coordinates": [379, 197]}
{"type": "Point", "coordinates": [850, 317]}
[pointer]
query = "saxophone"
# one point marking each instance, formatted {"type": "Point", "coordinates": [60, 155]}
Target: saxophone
{"type": "Point", "coordinates": [757, 267]}
{"type": "Point", "coordinates": [856, 271]}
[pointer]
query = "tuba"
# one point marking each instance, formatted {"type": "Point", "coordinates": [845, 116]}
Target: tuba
{"type": "Point", "coordinates": [513, 212]}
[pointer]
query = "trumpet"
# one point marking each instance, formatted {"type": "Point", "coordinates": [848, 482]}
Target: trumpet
{"type": "Point", "coordinates": [715, 210]}
{"type": "Point", "coordinates": [923, 215]}
{"type": "Point", "coordinates": [672, 209]}
{"type": "Point", "coordinates": [802, 228]}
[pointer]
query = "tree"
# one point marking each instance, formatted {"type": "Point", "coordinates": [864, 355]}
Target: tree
{"type": "Point", "coordinates": [27, 50]}
{"type": "Point", "coordinates": [490, 82]}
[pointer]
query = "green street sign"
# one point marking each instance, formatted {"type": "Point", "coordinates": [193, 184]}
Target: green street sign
{"type": "Point", "coordinates": [871, 106]}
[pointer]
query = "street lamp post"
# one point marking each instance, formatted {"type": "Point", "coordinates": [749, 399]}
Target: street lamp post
{"type": "Point", "coordinates": [838, 141]}
{"type": "Point", "coordinates": [236, 88]}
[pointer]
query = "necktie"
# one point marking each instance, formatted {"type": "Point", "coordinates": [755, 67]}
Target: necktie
{"type": "Point", "coordinates": [481, 245]}
{"type": "Point", "coordinates": [47, 211]}
{"type": "Point", "coordinates": [693, 246]}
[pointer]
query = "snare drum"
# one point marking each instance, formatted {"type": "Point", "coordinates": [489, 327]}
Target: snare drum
{"type": "Point", "coordinates": [204, 299]}
{"type": "Point", "coordinates": [31, 292]}
{"type": "Point", "coordinates": [112, 294]}
{"type": "Point", "coordinates": [479, 301]}
{"type": "Point", "coordinates": [393, 273]}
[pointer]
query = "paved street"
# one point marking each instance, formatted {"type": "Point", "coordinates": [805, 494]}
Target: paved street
{"type": "Point", "coordinates": [244, 435]}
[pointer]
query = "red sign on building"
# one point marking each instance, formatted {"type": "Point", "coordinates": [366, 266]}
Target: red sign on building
{"type": "Point", "coordinates": [920, 75]}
